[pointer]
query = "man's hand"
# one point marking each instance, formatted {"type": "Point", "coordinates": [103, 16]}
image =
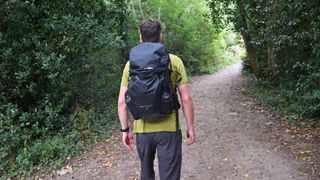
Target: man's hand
{"type": "Point", "coordinates": [128, 140]}
{"type": "Point", "coordinates": [191, 136]}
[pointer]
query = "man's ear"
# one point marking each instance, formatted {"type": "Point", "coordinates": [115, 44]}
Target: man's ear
{"type": "Point", "coordinates": [140, 37]}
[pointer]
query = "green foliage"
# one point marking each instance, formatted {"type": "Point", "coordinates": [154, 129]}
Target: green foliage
{"type": "Point", "coordinates": [188, 31]}
{"type": "Point", "coordinates": [283, 101]}
{"type": "Point", "coordinates": [44, 152]}
{"type": "Point", "coordinates": [291, 30]}
{"type": "Point", "coordinates": [59, 62]}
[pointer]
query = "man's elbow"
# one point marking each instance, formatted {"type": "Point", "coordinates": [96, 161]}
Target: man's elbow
{"type": "Point", "coordinates": [122, 105]}
{"type": "Point", "coordinates": [186, 100]}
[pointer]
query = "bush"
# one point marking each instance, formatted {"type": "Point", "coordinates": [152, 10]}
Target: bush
{"type": "Point", "coordinates": [59, 62]}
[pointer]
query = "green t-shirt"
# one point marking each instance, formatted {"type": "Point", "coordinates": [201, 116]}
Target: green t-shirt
{"type": "Point", "coordinates": [168, 124]}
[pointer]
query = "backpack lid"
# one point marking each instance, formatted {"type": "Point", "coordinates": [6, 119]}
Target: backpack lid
{"type": "Point", "coordinates": [149, 55]}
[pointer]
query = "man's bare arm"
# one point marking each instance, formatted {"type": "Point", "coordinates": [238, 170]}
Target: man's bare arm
{"type": "Point", "coordinates": [188, 111]}
{"type": "Point", "coordinates": [122, 107]}
{"type": "Point", "coordinates": [127, 137]}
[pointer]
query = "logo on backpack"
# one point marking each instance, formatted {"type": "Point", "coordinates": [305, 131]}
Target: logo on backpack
{"type": "Point", "coordinates": [149, 96]}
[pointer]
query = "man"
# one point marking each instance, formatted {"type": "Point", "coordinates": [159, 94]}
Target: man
{"type": "Point", "coordinates": [163, 137]}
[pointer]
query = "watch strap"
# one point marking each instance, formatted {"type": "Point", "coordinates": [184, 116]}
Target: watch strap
{"type": "Point", "coordinates": [124, 130]}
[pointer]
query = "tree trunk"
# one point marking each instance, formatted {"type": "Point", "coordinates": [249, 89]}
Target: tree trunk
{"type": "Point", "coordinates": [247, 38]}
{"type": "Point", "coordinates": [271, 59]}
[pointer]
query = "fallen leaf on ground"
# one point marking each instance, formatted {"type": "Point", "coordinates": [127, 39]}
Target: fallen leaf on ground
{"type": "Point", "coordinates": [107, 164]}
{"type": "Point", "coordinates": [67, 169]}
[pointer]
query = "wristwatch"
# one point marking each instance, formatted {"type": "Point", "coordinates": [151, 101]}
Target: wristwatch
{"type": "Point", "coordinates": [124, 130]}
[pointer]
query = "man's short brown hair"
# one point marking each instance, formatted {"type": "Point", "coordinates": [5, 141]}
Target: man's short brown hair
{"type": "Point", "coordinates": [150, 30]}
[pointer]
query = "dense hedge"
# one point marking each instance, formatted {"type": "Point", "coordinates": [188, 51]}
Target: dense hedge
{"type": "Point", "coordinates": [282, 40]}
{"type": "Point", "coordinates": [59, 67]}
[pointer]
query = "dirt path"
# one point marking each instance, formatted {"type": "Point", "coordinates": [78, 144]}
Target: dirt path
{"type": "Point", "coordinates": [232, 142]}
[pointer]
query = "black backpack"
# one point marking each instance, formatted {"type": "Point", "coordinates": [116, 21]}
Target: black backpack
{"type": "Point", "coordinates": [150, 95]}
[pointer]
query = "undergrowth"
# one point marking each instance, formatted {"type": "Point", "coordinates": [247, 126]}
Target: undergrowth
{"type": "Point", "coordinates": [279, 99]}
{"type": "Point", "coordinates": [50, 151]}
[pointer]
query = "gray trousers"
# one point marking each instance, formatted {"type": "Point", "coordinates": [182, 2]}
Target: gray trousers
{"type": "Point", "coordinates": [168, 148]}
